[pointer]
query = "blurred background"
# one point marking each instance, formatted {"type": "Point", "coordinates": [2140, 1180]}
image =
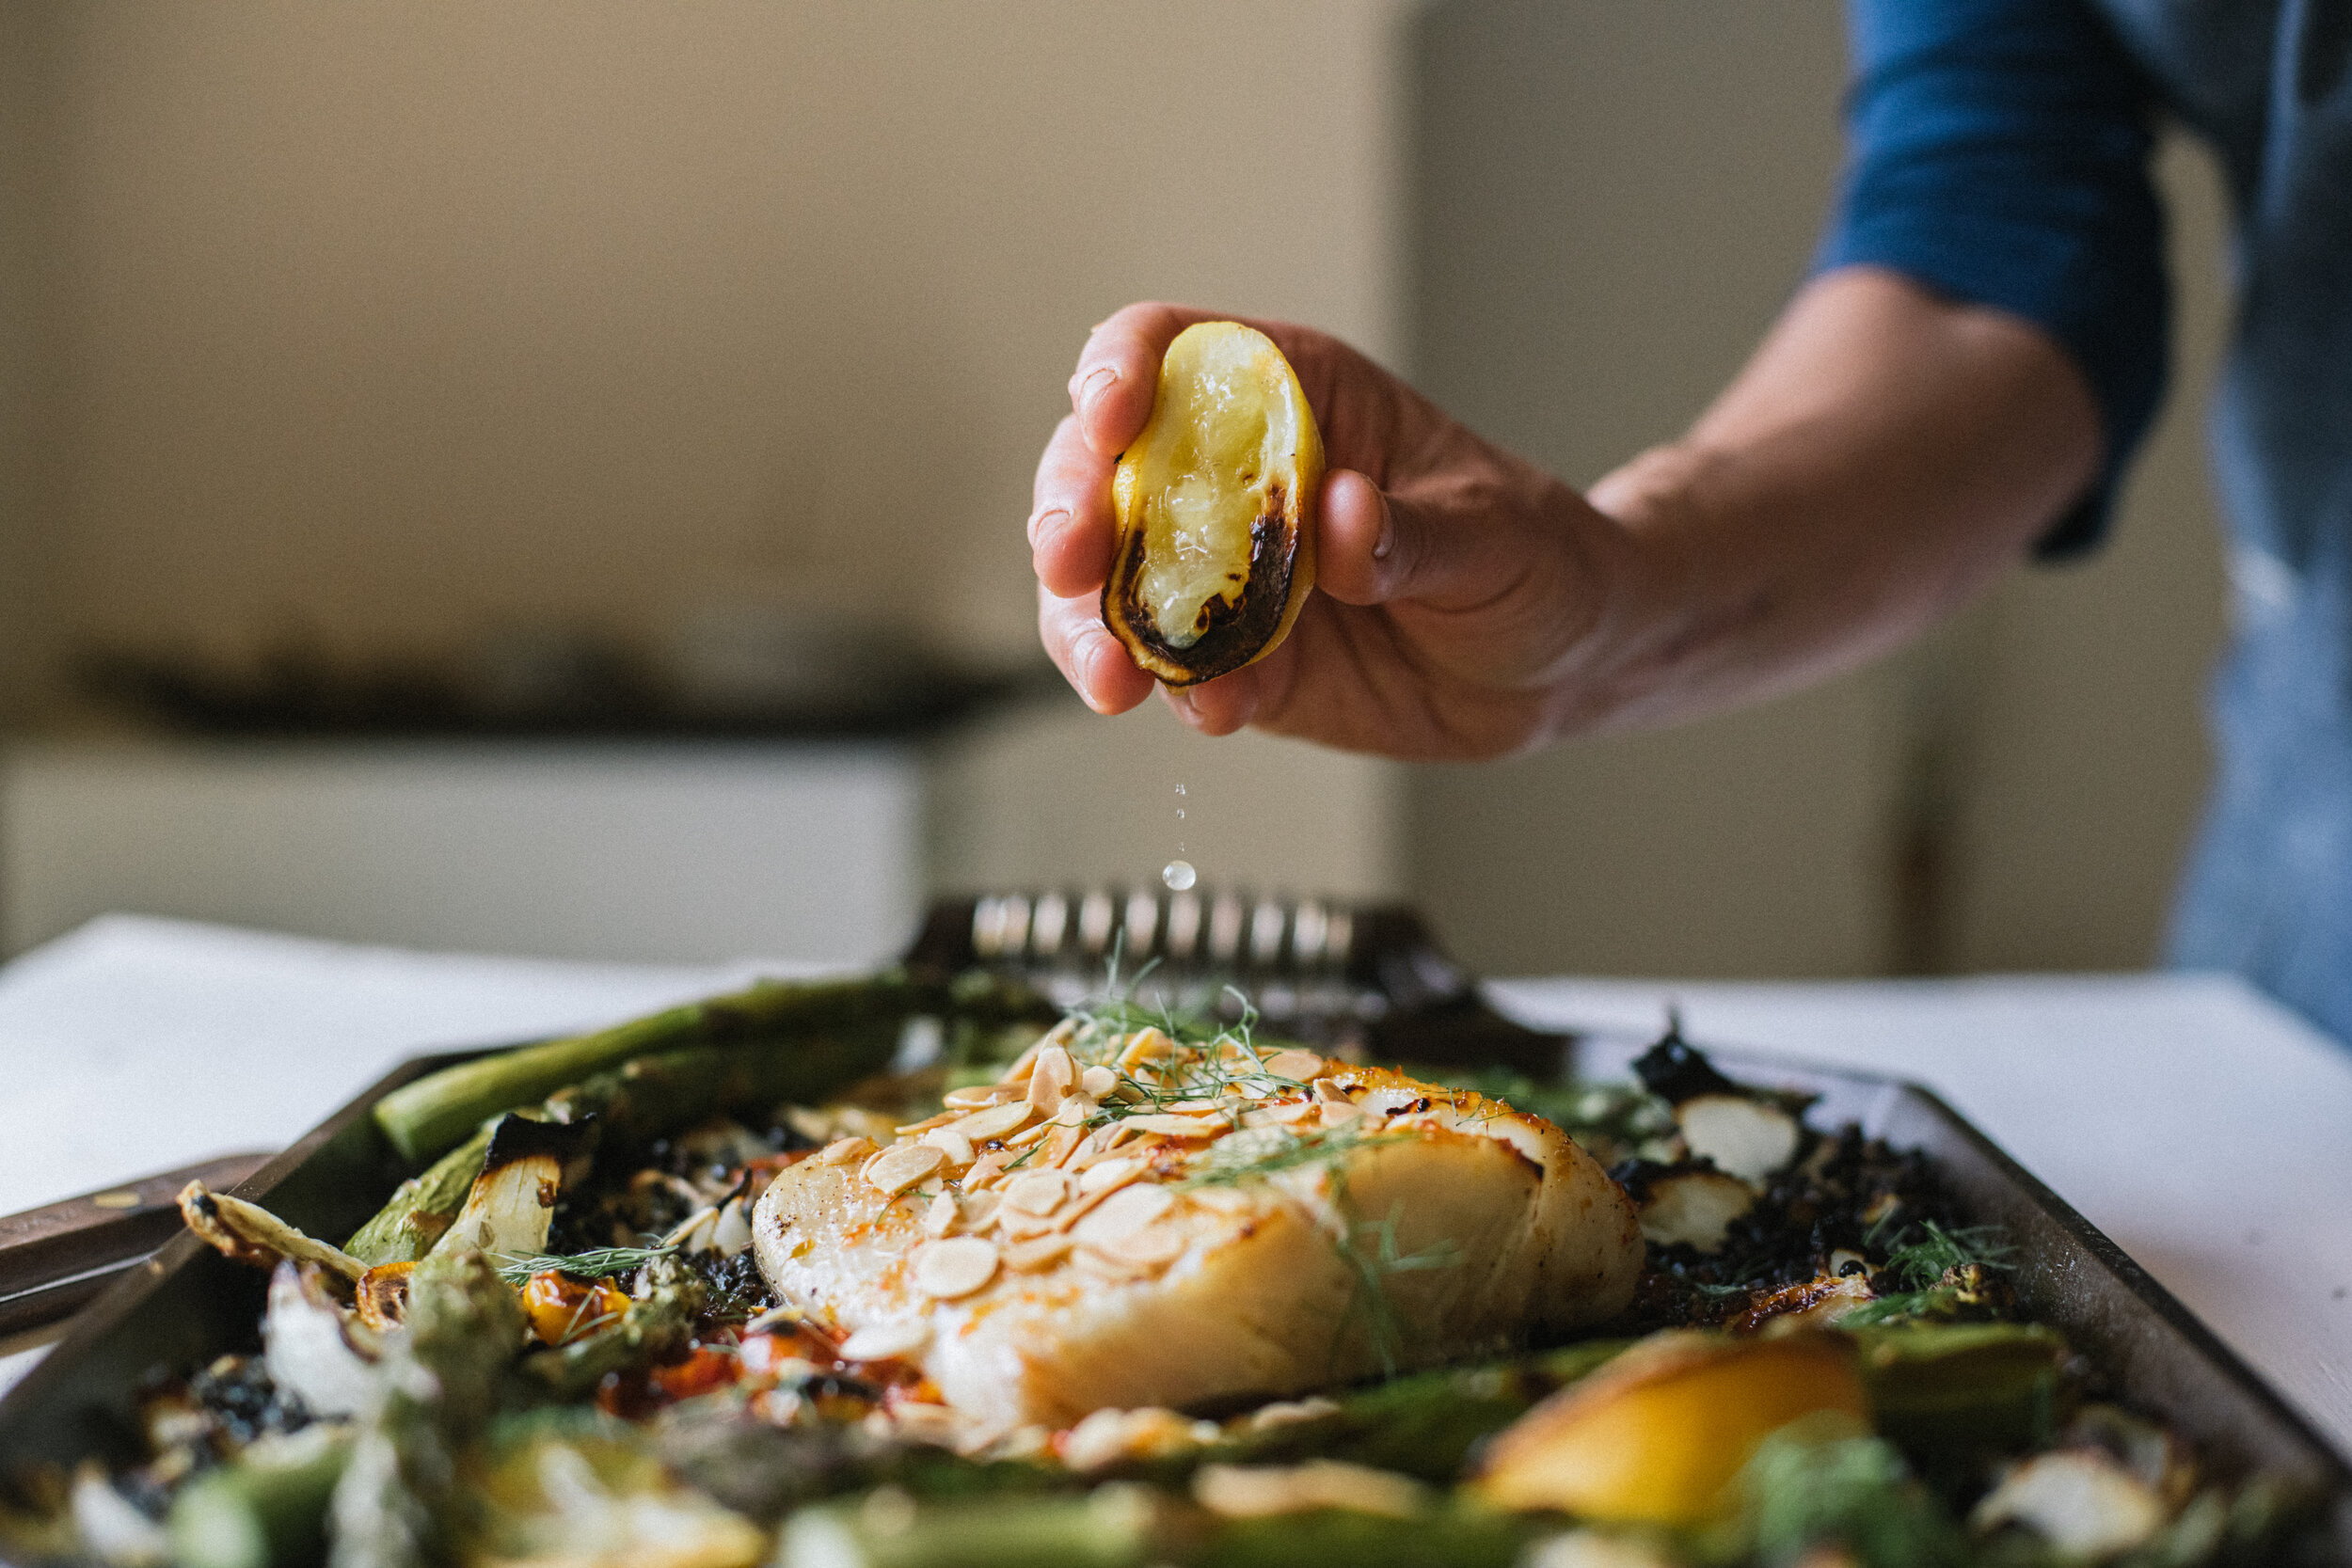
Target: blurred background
{"type": "Point", "coordinates": [550, 479]}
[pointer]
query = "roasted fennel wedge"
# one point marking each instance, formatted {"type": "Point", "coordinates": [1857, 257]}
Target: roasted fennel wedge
{"type": "Point", "coordinates": [1215, 508]}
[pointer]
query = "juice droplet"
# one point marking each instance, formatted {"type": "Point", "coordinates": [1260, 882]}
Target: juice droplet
{"type": "Point", "coordinates": [1178, 875]}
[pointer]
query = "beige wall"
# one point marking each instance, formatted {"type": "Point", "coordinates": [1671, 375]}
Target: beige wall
{"type": "Point", "coordinates": [389, 321]}
{"type": "Point", "coordinates": [385, 322]}
{"type": "Point", "coordinates": [1612, 197]}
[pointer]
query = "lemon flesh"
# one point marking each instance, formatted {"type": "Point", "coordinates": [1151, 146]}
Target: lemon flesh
{"type": "Point", "coordinates": [1215, 506]}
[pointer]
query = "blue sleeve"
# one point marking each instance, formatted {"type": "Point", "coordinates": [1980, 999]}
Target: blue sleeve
{"type": "Point", "coordinates": [1998, 153]}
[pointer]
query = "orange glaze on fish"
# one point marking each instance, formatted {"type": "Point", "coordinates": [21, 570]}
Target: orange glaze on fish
{"type": "Point", "coordinates": [1171, 1256]}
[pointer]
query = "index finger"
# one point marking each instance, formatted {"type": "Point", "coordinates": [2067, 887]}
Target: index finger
{"type": "Point", "coordinates": [1119, 372]}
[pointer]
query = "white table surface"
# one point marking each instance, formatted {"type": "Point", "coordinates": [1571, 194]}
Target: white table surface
{"type": "Point", "coordinates": [2208, 1131]}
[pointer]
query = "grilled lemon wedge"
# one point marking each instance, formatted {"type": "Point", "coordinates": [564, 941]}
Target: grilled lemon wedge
{"type": "Point", "coordinates": [1215, 504]}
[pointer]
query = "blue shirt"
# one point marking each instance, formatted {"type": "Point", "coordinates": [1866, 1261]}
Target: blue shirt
{"type": "Point", "coordinates": [1999, 155]}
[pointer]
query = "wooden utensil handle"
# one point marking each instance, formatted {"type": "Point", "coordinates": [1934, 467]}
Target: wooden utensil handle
{"type": "Point", "coordinates": [54, 1258]}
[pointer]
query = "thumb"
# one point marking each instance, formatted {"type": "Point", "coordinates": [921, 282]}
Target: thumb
{"type": "Point", "coordinates": [1372, 547]}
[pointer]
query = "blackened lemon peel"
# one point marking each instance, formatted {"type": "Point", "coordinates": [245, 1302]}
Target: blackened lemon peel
{"type": "Point", "coordinates": [1216, 510]}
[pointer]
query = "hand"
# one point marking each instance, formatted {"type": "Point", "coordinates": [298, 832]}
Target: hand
{"type": "Point", "coordinates": [1453, 582]}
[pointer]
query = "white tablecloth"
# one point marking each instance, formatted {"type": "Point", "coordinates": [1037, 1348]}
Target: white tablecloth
{"type": "Point", "coordinates": [2205, 1129]}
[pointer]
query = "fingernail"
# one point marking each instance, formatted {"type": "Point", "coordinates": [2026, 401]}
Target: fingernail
{"type": "Point", "coordinates": [1387, 542]}
{"type": "Point", "coordinates": [1038, 520]}
{"type": "Point", "coordinates": [1092, 386]}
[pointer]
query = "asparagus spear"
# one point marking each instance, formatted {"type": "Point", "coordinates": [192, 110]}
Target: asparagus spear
{"type": "Point", "coordinates": [265, 1508]}
{"type": "Point", "coordinates": [440, 1381]}
{"type": "Point", "coordinates": [437, 1111]}
{"type": "Point", "coordinates": [1126, 1525]}
{"type": "Point", "coordinates": [1953, 1391]}
{"type": "Point", "coordinates": [422, 1207]}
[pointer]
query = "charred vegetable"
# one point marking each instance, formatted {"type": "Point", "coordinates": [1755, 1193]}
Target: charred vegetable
{"type": "Point", "coordinates": [251, 1234]}
{"type": "Point", "coordinates": [524, 1170]}
{"type": "Point", "coordinates": [268, 1507]}
{"type": "Point", "coordinates": [1215, 504]}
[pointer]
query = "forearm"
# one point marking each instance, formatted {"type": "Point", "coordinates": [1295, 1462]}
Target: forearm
{"type": "Point", "coordinates": [1883, 457]}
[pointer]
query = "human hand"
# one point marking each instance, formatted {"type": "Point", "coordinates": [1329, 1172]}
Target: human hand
{"type": "Point", "coordinates": [1454, 582]}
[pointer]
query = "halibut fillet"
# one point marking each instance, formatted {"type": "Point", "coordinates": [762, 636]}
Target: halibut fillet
{"type": "Point", "coordinates": [1125, 1220]}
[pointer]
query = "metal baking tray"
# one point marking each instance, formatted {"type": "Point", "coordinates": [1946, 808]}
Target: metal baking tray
{"type": "Point", "coordinates": [1385, 983]}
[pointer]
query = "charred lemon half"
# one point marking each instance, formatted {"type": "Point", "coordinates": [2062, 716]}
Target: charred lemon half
{"type": "Point", "coordinates": [1215, 508]}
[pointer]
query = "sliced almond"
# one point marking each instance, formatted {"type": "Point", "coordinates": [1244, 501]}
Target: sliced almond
{"type": "Point", "coordinates": [1289, 1110]}
{"type": "Point", "coordinates": [1154, 1246]}
{"type": "Point", "coordinates": [1177, 1127]}
{"type": "Point", "coordinates": [1110, 1266]}
{"type": "Point", "coordinates": [973, 1097]}
{"type": "Point", "coordinates": [941, 1215]}
{"type": "Point", "coordinates": [1075, 1109]}
{"type": "Point", "coordinates": [1037, 1192]}
{"type": "Point", "coordinates": [986, 1169]}
{"type": "Point", "coordinates": [1020, 1223]}
{"type": "Point", "coordinates": [1338, 1112]}
{"type": "Point", "coordinates": [1051, 1078]}
{"type": "Point", "coordinates": [879, 1341]}
{"type": "Point", "coordinates": [958, 1266]}
{"type": "Point", "coordinates": [842, 1150]}
{"type": "Point", "coordinates": [1145, 1045]}
{"type": "Point", "coordinates": [902, 1166]}
{"type": "Point", "coordinates": [1098, 1082]}
{"type": "Point", "coordinates": [1105, 1174]}
{"type": "Point", "coordinates": [1330, 1092]}
{"type": "Point", "coordinates": [1040, 1252]}
{"type": "Point", "coordinates": [978, 1211]}
{"type": "Point", "coordinates": [1299, 1067]}
{"type": "Point", "coordinates": [1124, 1212]}
{"type": "Point", "coordinates": [1230, 1200]}
{"type": "Point", "coordinates": [996, 1122]}
{"type": "Point", "coordinates": [1061, 1142]}
{"type": "Point", "coordinates": [913, 1128]}
{"type": "Point", "coordinates": [1029, 1135]}
{"type": "Point", "coordinates": [953, 1143]}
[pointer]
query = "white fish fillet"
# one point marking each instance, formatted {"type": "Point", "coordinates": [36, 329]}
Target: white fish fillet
{"type": "Point", "coordinates": [1316, 1233]}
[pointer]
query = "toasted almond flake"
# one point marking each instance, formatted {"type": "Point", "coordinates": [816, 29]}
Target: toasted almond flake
{"type": "Point", "coordinates": [986, 1169]}
{"type": "Point", "coordinates": [1154, 1246]}
{"type": "Point", "coordinates": [1177, 1127]}
{"type": "Point", "coordinates": [996, 1122]}
{"type": "Point", "coordinates": [1231, 1200]}
{"type": "Point", "coordinates": [973, 1097]}
{"type": "Point", "coordinates": [1289, 1110]}
{"type": "Point", "coordinates": [1109, 1266]}
{"type": "Point", "coordinates": [1145, 1045]}
{"type": "Point", "coordinates": [1017, 1076]}
{"type": "Point", "coordinates": [1039, 1252]}
{"type": "Point", "coordinates": [1098, 1082]}
{"type": "Point", "coordinates": [1336, 1115]}
{"type": "Point", "coordinates": [941, 1215]}
{"type": "Point", "coordinates": [955, 1267]}
{"type": "Point", "coordinates": [952, 1144]}
{"type": "Point", "coordinates": [1018, 1223]}
{"type": "Point", "coordinates": [1299, 1067]}
{"type": "Point", "coordinates": [902, 1166]}
{"type": "Point", "coordinates": [1050, 1079]}
{"type": "Point", "coordinates": [1124, 1212]}
{"type": "Point", "coordinates": [879, 1341]}
{"type": "Point", "coordinates": [1106, 1173]}
{"type": "Point", "coordinates": [980, 1209]}
{"type": "Point", "coordinates": [1023, 1139]}
{"type": "Point", "coordinates": [1061, 1142]}
{"type": "Point", "coordinates": [913, 1128]}
{"type": "Point", "coordinates": [1329, 1091]}
{"type": "Point", "coordinates": [842, 1150]}
{"type": "Point", "coordinates": [1074, 1110]}
{"type": "Point", "coordinates": [1037, 1192]}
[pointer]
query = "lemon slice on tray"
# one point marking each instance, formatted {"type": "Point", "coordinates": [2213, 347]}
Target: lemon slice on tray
{"type": "Point", "coordinates": [1216, 507]}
